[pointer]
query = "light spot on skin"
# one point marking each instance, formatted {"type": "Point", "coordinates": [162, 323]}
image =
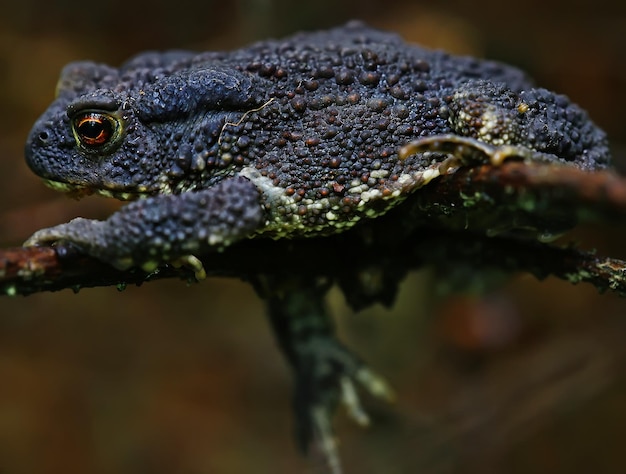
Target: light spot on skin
{"type": "Point", "coordinates": [215, 239]}
{"type": "Point", "coordinates": [57, 186]}
{"type": "Point", "coordinates": [378, 174]}
{"type": "Point", "coordinates": [372, 194]}
{"type": "Point", "coordinates": [81, 191]}
{"type": "Point", "coordinates": [430, 174]}
{"type": "Point", "coordinates": [491, 131]}
{"type": "Point", "coordinates": [149, 266]}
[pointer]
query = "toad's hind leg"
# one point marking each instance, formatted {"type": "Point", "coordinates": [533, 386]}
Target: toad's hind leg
{"type": "Point", "coordinates": [326, 373]}
{"type": "Point", "coordinates": [467, 150]}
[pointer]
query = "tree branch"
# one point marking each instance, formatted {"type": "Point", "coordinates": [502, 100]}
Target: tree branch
{"type": "Point", "coordinates": [392, 242]}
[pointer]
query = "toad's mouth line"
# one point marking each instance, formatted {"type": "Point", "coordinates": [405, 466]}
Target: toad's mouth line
{"type": "Point", "coordinates": [78, 191]}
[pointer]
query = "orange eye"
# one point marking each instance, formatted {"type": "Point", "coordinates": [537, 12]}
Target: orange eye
{"type": "Point", "coordinates": [94, 129]}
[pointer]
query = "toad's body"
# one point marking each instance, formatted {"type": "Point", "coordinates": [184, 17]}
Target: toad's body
{"type": "Point", "coordinates": [315, 122]}
{"type": "Point", "coordinates": [300, 136]}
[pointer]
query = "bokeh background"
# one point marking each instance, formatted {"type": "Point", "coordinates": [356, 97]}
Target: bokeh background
{"type": "Point", "coordinates": [171, 379]}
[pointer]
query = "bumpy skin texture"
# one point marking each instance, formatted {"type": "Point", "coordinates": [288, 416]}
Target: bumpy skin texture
{"type": "Point", "coordinates": [289, 138]}
{"type": "Point", "coordinates": [314, 121]}
{"type": "Point", "coordinates": [164, 228]}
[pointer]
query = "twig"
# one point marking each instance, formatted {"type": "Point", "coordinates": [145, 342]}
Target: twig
{"type": "Point", "coordinates": [392, 242]}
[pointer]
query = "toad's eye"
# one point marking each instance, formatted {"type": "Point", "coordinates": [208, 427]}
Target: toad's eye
{"type": "Point", "coordinates": [95, 130]}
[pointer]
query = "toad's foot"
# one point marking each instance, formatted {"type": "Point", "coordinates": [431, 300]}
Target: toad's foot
{"type": "Point", "coordinates": [82, 233]}
{"type": "Point", "coordinates": [326, 373]}
{"type": "Point", "coordinates": [466, 150]}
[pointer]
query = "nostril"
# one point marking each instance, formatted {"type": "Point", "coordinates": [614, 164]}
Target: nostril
{"type": "Point", "coordinates": [43, 137]}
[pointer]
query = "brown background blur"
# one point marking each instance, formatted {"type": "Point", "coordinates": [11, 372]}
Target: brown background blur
{"type": "Point", "coordinates": [169, 379]}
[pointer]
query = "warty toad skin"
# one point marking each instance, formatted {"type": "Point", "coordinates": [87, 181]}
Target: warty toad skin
{"type": "Point", "coordinates": [306, 136]}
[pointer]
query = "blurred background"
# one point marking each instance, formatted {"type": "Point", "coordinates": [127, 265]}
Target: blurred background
{"type": "Point", "coordinates": [173, 379]}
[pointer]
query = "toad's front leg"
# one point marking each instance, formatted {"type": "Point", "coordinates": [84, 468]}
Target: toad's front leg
{"type": "Point", "coordinates": [166, 228]}
{"type": "Point", "coordinates": [326, 372]}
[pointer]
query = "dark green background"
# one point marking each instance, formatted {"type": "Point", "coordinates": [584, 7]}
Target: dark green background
{"type": "Point", "coordinates": [169, 379]}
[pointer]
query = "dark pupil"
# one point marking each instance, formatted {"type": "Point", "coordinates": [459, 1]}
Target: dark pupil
{"type": "Point", "coordinates": [94, 129]}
